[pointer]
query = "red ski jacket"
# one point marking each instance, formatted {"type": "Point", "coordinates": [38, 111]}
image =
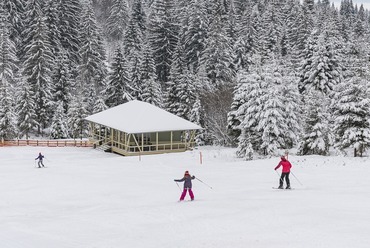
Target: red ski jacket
{"type": "Point", "coordinates": [286, 165]}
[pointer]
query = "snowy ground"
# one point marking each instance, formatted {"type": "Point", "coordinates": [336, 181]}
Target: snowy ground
{"type": "Point", "coordinates": [90, 199]}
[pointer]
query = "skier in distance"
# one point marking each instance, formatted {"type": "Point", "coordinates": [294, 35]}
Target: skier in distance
{"type": "Point", "coordinates": [187, 185]}
{"type": "Point", "coordinates": [40, 158]}
{"type": "Point", "coordinates": [285, 172]}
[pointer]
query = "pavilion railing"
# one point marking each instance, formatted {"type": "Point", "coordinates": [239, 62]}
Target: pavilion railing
{"type": "Point", "coordinates": [47, 143]}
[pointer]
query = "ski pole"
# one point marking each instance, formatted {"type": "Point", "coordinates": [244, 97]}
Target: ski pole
{"type": "Point", "coordinates": [178, 186]}
{"type": "Point", "coordinates": [281, 181]}
{"type": "Point", "coordinates": [296, 178]}
{"type": "Point", "coordinates": [203, 182]}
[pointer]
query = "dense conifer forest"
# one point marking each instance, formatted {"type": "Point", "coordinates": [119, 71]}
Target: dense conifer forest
{"type": "Point", "coordinates": [262, 75]}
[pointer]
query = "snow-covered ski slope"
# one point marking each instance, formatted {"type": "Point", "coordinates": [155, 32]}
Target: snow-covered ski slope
{"type": "Point", "coordinates": [91, 199]}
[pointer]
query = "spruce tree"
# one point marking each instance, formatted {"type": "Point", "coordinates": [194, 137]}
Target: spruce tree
{"type": "Point", "coordinates": [272, 124]}
{"type": "Point", "coordinates": [196, 33]}
{"type": "Point", "coordinates": [16, 16]}
{"type": "Point", "coordinates": [76, 115]}
{"type": "Point", "coordinates": [62, 82]}
{"type": "Point", "coordinates": [217, 56]}
{"type": "Point", "coordinates": [181, 91]}
{"type": "Point", "coordinates": [245, 147]}
{"type": "Point", "coordinates": [25, 109]}
{"type": "Point", "coordinates": [150, 89]}
{"type": "Point", "coordinates": [8, 79]}
{"type": "Point", "coordinates": [320, 70]}
{"type": "Point", "coordinates": [52, 24]}
{"type": "Point", "coordinates": [162, 35]}
{"type": "Point", "coordinates": [59, 126]}
{"type": "Point", "coordinates": [70, 16]}
{"type": "Point", "coordinates": [245, 116]}
{"type": "Point", "coordinates": [315, 138]}
{"type": "Point", "coordinates": [92, 66]}
{"type": "Point", "coordinates": [37, 65]}
{"type": "Point", "coordinates": [117, 19]}
{"type": "Point", "coordinates": [351, 114]}
{"type": "Point", "coordinates": [118, 88]}
{"type": "Point", "coordinates": [197, 117]}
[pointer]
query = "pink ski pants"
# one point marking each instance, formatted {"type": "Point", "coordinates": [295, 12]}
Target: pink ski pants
{"type": "Point", "coordinates": [184, 194]}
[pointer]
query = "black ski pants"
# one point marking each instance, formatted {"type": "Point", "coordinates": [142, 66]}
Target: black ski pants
{"type": "Point", "coordinates": [286, 176]}
{"type": "Point", "coordinates": [40, 162]}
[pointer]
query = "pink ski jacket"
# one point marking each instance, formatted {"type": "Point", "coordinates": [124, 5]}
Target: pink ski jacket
{"type": "Point", "coordinates": [286, 165]}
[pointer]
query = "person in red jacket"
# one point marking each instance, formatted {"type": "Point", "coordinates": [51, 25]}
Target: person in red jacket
{"type": "Point", "coordinates": [285, 172]}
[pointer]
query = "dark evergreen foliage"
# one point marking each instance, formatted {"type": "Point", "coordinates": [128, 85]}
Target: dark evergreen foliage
{"type": "Point", "coordinates": [234, 67]}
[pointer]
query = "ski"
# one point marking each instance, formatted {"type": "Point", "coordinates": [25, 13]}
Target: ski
{"type": "Point", "coordinates": [282, 188]}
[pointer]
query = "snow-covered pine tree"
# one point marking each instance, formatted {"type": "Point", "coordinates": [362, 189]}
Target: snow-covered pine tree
{"type": "Point", "coordinates": [59, 126]}
{"type": "Point", "coordinates": [320, 69]}
{"type": "Point", "coordinates": [8, 125]}
{"type": "Point", "coordinates": [135, 33]}
{"type": "Point", "coordinates": [180, 92]}
{"type": "Point", "coordinates": [248, 108]}
{"type": "Point", "coordinates": [150, 88]}
{"type": "Point", "coordinates": [162, 35]}
{"type": "Point", "coordinates": [38, 62]}
{"type": "Point", "coordinates": [133, 40]}
{"type": "Point", "coordinates": [235, 116]}
{"type": "Point", "coordinates": [138, 16]}
{"type": "Point", "coordinates": [8, 54]}
{"type": "Point", "coordinates": [117, 20]}
{"type": "Point", "coordinates": [272, 123]}
{"type": "Point", "coordinates": [76, 114]}
{"type": "Point", "coordinates": [118, 85]}
{"type": "Point", "coordinates": [69, 12]}
{"type": "Point", "coordinates": [52, 24]}
{"type": "Point", "coordinates": [351, 115]}
{"type": "Point", "coordinates": [8, 79]}
{"type": "Point", "coordinates": [171, 99]}
{"type": "Point", "coordinates": [270, 33]}
{"type": "Point", "coordinates": [247, 42]}
{"type": "Point", "coordinates": [218, 56]}
{"type": "Point", "coordinates": [62, 81]}
{"type": "Point", "coordinates": [293, 109]}
{"type": "Point", "coordinates": [25, 109]}
{"type": "Point", "coordinates": [245, 147]}
{"type": "Point", "coordinates": [195, 34]}
{"type": "Point", "coordinates": [92, 67]}
{"type": "Point", "coordinates": [186, 94]}
{"type": "Point", "coordinates": [15, 10]}
{"type": "Point", "coordinates": [134, 75]}
{"type": "Point", "coordinates": [100, 103]}
{"type": "Point", "coordinates": [315, 138]}
{"type": "Point", "coordinates": [197, 117]}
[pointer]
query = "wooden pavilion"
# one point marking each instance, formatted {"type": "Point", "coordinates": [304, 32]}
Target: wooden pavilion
{"type": "Point", "coordinates": [139, 128]}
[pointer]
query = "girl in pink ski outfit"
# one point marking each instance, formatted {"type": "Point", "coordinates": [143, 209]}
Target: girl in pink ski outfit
{"type": "Point", "coordinates": [187, 185]}
{"type": "Point", "coordinates": [285, 172]}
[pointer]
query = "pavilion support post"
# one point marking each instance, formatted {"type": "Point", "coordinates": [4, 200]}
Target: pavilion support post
{"type": "Point", "coordinates": [137, 143]}
{"type": "Point", "coordinates": [156, 141]}
{"type": "Point", "coordinates": [128, 141]}
{"type": "Point", "coordinates": [171, 139]}
{"type": "Point", "coordinates": [192, 138]}
{"type": "Point", "coordinates": [142, 142]}
{"type": "Point", "coordinates": [112, 138]}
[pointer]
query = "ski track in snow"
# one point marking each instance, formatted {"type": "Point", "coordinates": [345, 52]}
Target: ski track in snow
{"type": "Point", "coordinates": [89, 199]}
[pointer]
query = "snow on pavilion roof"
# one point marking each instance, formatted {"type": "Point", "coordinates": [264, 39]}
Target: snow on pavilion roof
{"type": "Point", "coordinates": [141, 117]}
